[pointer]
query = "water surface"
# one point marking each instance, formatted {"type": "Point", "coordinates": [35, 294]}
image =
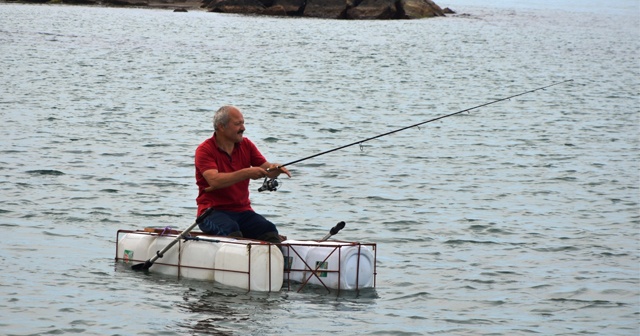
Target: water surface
{"type": "Point", "coordinates": [517, 218]}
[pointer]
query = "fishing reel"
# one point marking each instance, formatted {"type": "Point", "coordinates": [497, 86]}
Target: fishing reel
{"type": "Point", "coordinates": [269, 184]}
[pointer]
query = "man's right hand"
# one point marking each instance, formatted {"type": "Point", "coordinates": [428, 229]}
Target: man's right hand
{"type": "Point", "coordinates": [218, 180]}
{"type": "Point", "coordinates": [255, 173]}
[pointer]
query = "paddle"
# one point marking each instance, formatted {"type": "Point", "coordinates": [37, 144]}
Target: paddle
{"type": "Point", "coordinates": [159, 254]}
{"type": "Point", "coordinates": [334, 230]}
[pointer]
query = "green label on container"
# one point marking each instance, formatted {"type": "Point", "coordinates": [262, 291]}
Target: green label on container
{"type": "Point", "coordinates": [128, 255]}
{"type": "Point", "coordinates": [322, 265]}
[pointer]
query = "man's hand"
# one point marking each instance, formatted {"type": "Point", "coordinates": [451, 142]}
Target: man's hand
{"type": "Point", "coordinates": [218, 180]}
{"type": "Point", "coordinates": [255, 173]}
{"type": "Point", "coordinates": [274, 170]}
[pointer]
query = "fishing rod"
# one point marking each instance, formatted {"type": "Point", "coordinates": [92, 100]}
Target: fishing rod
{"type": "Point", "coordinates": [272, 184]}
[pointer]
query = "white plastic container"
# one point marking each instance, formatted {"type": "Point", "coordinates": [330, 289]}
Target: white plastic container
{"type": "Point", "coordinates": [198, 260]}
{"type": "Point", "coordinates": [249, 265]}
{"type": "Point", "coordinates": [340, 267]}
{"type": "Point", "coordinates": [167, 264]}
{"type": "Point", "coordinates": [295, 253]}
{"type": "Point", "coordinates": [134, 247]}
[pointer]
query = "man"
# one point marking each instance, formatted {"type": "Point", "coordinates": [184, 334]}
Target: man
{"type": "Point", "coordinates": [224, 164]}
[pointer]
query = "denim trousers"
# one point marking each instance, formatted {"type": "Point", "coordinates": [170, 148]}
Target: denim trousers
{"type": "Point", "coordinates": [251, 224]}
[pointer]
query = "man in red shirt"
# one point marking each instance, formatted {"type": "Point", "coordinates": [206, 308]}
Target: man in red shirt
{"type": "Point", "coordinates": [224, 164]}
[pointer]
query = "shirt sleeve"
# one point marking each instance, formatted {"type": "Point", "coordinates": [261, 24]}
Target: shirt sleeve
{"type": "Point", "coordinates": [205, 158]}
{"type": "Point", "coordinates": [257, 159]}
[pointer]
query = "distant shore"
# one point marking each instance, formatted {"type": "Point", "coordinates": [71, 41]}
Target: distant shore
{"type": "Point", "coordinates": [328, 9]}
{"type": "Point", "coordinates": [160, 4]}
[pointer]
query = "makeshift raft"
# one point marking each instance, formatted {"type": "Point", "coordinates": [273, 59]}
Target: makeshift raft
{"type": "Point", "coordinates": [253, 265]}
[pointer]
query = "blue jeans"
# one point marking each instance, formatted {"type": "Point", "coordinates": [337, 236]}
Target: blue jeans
{"type": "Point", "coordinates": [251, 224]}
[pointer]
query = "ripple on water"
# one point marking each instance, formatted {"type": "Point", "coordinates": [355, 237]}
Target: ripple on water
{"type": "Point", "coordinates": [520, 217]}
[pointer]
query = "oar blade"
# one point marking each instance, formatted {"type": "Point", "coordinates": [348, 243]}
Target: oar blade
{"type": "Point", "coordinates": [143, 266]}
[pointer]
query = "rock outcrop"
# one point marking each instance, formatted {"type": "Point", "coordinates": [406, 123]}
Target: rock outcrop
{"type": "Point", "coordinates": [328, 9]}
{"type": "Point", "coordinates": [331, 9]}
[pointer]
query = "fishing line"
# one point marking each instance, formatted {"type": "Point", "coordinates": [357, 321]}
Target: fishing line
{"type": "Point", "coordinates": [272, 184]}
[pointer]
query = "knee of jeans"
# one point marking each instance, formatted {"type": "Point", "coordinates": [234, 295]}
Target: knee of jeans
{"type": "Point", "coordinates": [271, 228]}
{"type": "Point", "coordinates": [206, 228]}
{"type": "Point", "coordinates": [236, 234]}
{"type": "Point", "coordinates": [219, 229]}
{"type": "Point", "coordinates": [271, 237]}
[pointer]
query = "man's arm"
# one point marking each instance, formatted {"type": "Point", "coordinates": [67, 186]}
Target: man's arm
{"type": "Point", "coordinates": [217, 180]}
{"type": "Point", "coordinates": [274, 170]}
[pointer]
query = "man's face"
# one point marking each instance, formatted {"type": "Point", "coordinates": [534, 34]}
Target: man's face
{"type": "Point", "coordinates": [235, 128]}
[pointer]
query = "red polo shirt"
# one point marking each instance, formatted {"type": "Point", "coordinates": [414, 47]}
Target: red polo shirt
{"type": "Point", "coordinates": [245, 154]}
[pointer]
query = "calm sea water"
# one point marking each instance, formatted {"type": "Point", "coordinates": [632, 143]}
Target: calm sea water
{"type": "Point", "coordinates": [518, 218]}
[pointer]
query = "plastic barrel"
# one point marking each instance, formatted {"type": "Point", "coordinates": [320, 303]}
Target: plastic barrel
{"type": "Point", "coordinates": [198, 260]}
{"type": "Point", "coordinates": [341, 268]}
{"type": "Point", "coordinates": [167, 264]}
{"type": "Point", "coordinates": [134, 247]}
{"type": "Point", "coordinates": [295, 253]}
{"type": "Point", "coordinates": [249, 265]}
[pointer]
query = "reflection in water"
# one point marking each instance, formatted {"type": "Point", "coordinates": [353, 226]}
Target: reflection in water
{"type": "Point", "coordinates": [205, 308]}
{"type": "Point", "coordinates": [219, 310]}
{"type": "Point", "coordinates": [215, 315]}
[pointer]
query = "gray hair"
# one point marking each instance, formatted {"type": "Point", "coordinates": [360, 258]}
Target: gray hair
{"type": "Point", "coordinates": [221, 117]}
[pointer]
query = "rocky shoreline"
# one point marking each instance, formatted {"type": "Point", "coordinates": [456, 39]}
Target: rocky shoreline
{"type": "Point", "coordinates": [327, 9]}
